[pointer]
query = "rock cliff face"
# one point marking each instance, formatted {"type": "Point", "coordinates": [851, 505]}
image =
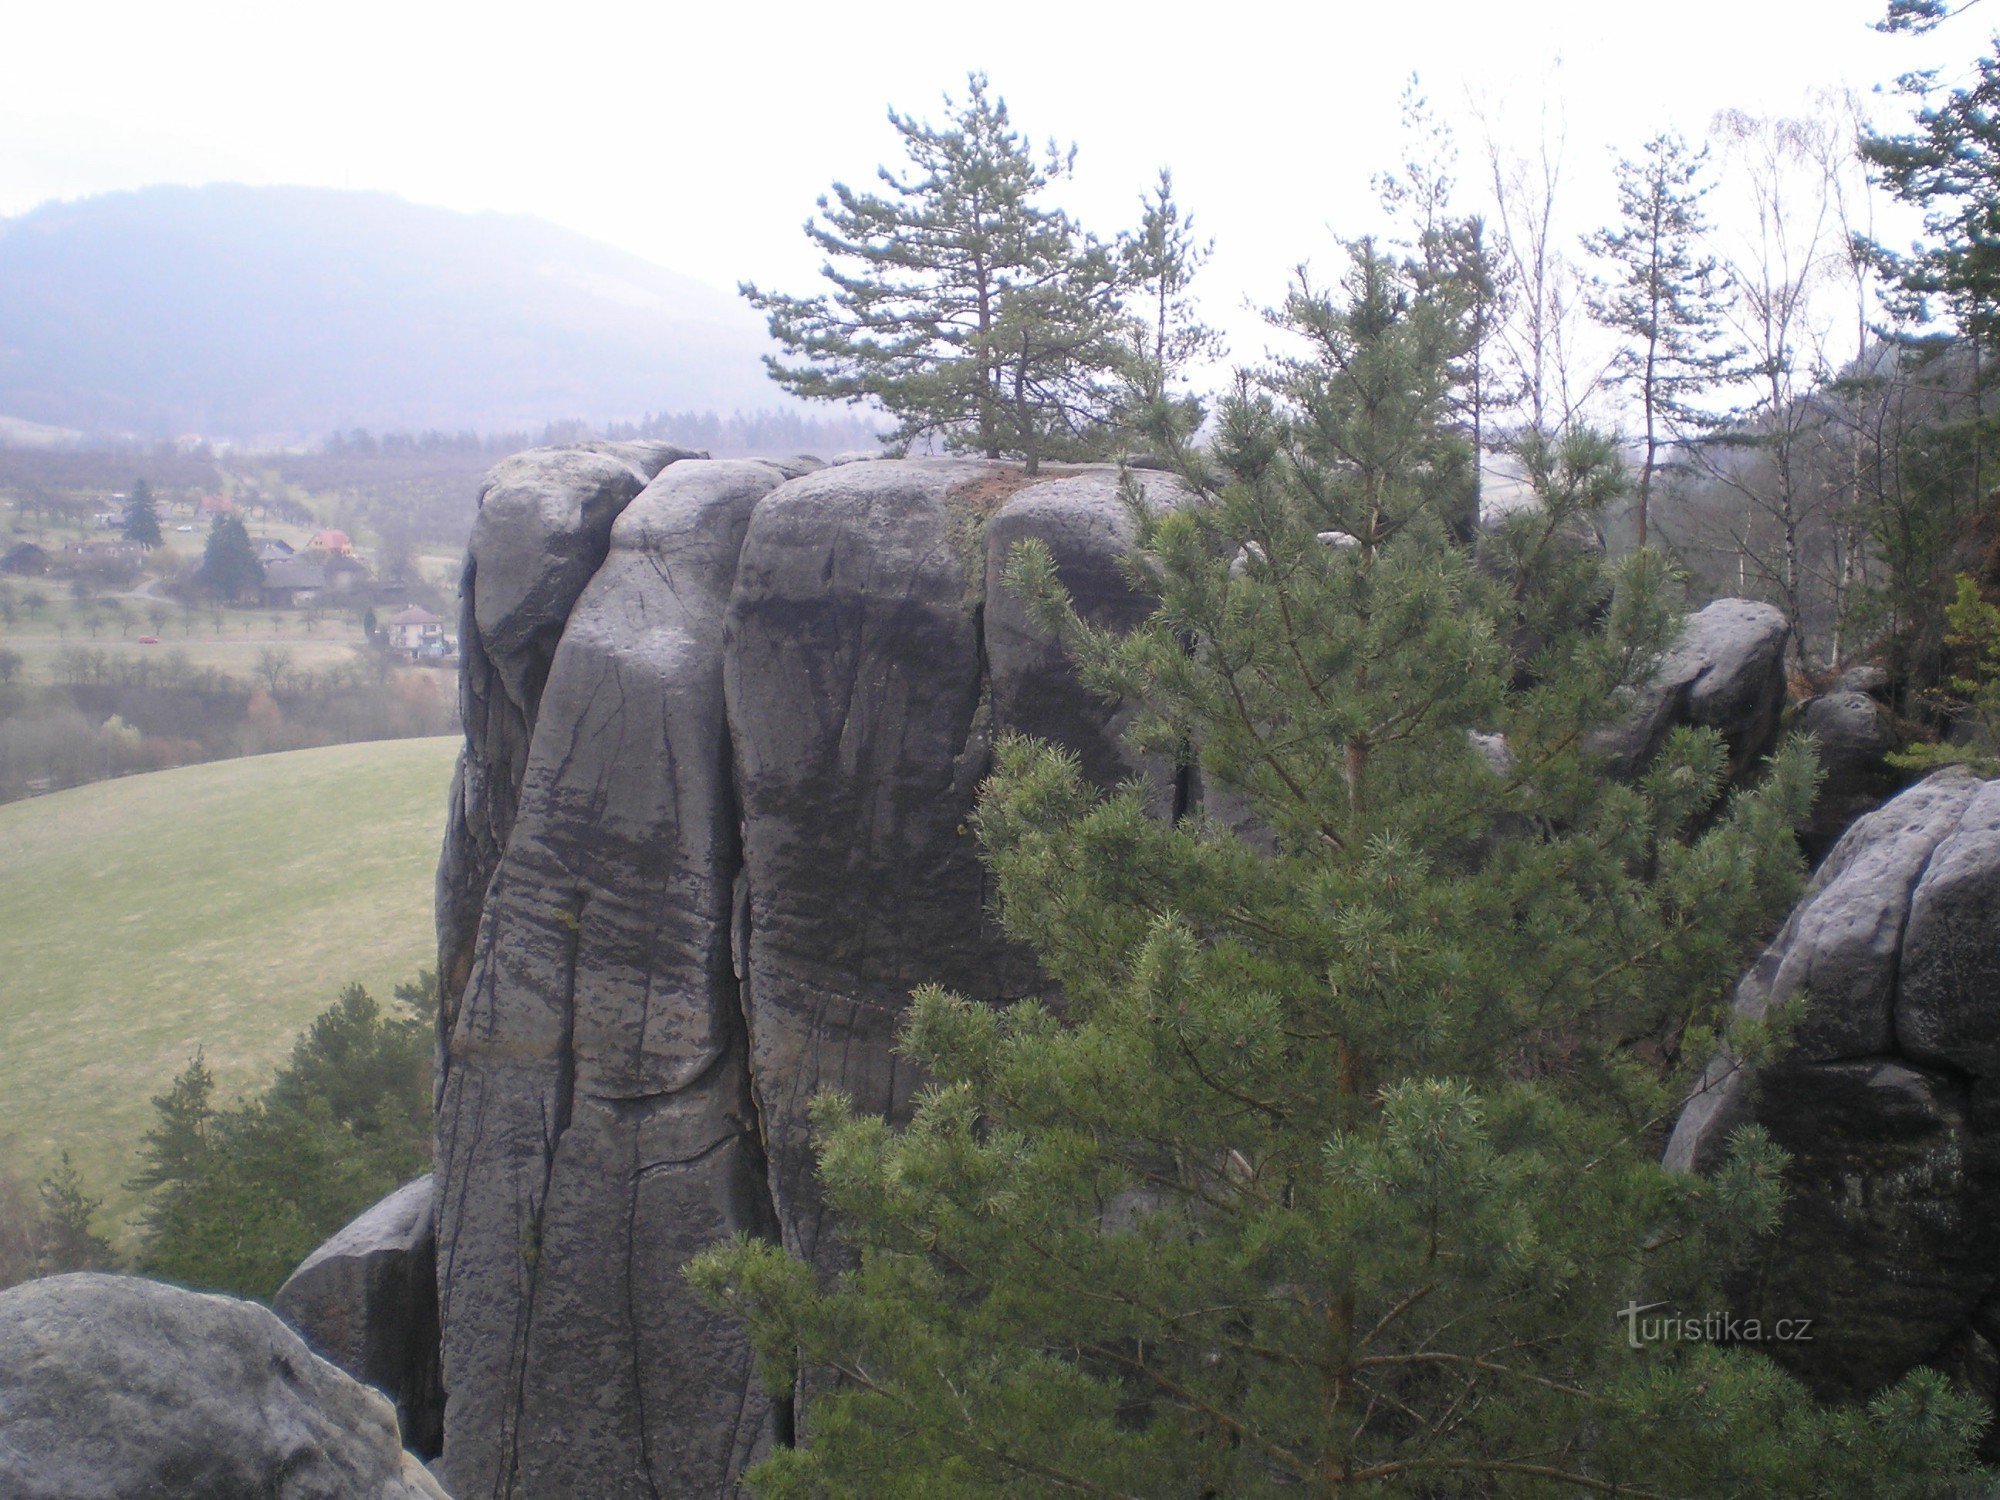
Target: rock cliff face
{"type": "Point", "coordinates": [725, 726]}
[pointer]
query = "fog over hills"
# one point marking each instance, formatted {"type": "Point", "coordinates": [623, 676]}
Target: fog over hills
{"type": "Point", "coordinates": [280, 313]}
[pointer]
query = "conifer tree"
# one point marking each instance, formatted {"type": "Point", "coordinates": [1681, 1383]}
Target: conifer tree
{"type": "Point", "coordinates": [142, 516]}
{"type": "Point", "coordinates": [1664, 295]}
{"type": "Point", "coordinates": [229, 566]}
{"type": "Point", "coordinates": [1167, 334]}
{"type": "Point", "coordinates": [66, 1242]}
{"type": "Point", "coordinates": [962, 304]}
{"type": "Point", "coordinates": [1454, 257]}
{"type": "Point", "coordinates": [1334, 1166]}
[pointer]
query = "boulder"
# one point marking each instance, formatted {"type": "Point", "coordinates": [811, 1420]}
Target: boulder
{"type": "Point", "coordinates": [739, 837]}
{"type": "Point", "coordinates": [1855, 735]}
{"type": "Point", "coordinates": [1886, 1098]}
{"type": "Point", "coordinates": [112, 1388]}
{"type": "Point", "coordinates": [1726, 673]}
{"type": "Point", "coordinates": [367, 1301]}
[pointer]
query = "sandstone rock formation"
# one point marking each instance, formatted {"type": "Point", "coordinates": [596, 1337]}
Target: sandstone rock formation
{"type": "Point", "coordinates": [1726, 673]}
{"type": "Point", "coordinates": [112, 1387]}
{"type": "Point", "coordinates": [725, 730]}
{"type": "Point", "coordinates": [367, 1301]}
{"type": "Point", "coordinates": [1886, 1099]}
{"type": "Point", "coordinates": [1855, 735]}
{"type": "Point", "coordinates": [710, 829]}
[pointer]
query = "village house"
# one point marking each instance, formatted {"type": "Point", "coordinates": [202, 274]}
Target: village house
{"type": "Point", "coordinates": [115, 553]}
{"type": "Point", "coordinates": [331, 543]}
{"type": "Point", "coordinates": [415, 631]}
{"type": "Point", "coordinates": [270, 550]}
{"type": "Point", "coordinates": [345, 575]}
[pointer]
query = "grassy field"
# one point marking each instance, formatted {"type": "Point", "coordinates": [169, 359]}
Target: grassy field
{"type": "Point", "coordinates": [219, 906]}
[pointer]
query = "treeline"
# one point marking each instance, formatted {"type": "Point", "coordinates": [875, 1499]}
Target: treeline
{"type": "Point", "coordinates": [238, 1194]}
{"type": "Point", "coordinates": [111, 714]}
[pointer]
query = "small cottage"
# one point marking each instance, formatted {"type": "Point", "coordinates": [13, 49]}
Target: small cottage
{"type": "Point", "coordinates": [416, 631]}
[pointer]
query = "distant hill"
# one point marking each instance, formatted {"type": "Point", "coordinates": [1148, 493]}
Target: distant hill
{"type": "Point", "coordinates": [280, 313]}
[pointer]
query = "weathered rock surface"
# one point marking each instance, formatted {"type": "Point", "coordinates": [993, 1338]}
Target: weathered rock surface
{"type": "Point", "coordinates": [367, 1301]}
{"type": "Point", "coordinates": [596, 1125]}
{"type": "Point", "coordinates": [1855, 735]}
{"type": "Point", "coordinates": [113, 1388]}
{"type": "Point", "coordinates": [736, 840]}
{"type": "Point", "coordinates": [543, 527]}
{"type": "Point", "coordinates": [1726, 673]}
{"type": "Point", "coordinates": [1887, 1097]}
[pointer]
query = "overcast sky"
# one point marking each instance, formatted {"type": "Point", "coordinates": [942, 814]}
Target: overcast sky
{"type": "Point", "coordinates": [698, 136]}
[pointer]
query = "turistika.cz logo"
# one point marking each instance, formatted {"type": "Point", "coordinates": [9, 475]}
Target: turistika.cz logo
{"type": "Point", "coordinates": [1707, 1328]}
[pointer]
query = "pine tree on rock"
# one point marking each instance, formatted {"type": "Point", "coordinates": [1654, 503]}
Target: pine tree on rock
{"type": "Point", "coordinates": [1168, 337]}
{"type": "Point", "coordinates": [1334, 1167]}
{"type": "Point", "coordinates": [970, 311]}
{"type": "Point", "coordinates": [1664, 295]}
{"type": "Point", "coordinates": [142, 516]}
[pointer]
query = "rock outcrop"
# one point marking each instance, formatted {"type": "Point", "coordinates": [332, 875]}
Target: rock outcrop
{"type": "Point", "coordinates": [725, 731]}
{"type": "Point", "coordinates": [367, 1301]}
{"type": "Point", "coordinates": [1855, 735]}
{"type": "Point", "coordinates": [1886, 1098]}
{"type": "Point", "coordinates": [543, 527]}
{"type": "Point", "coordinates": [710, 829]}
{"type": "Point", "coordinates": [1726, 673]}
{"type": "Point", "coordinates": [112, 1387]}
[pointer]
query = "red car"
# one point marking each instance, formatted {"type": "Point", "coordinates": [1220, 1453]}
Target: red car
{"type": "Point", "coordinates": [149, 640]}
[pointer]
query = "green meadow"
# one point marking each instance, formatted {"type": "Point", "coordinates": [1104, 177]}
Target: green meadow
{"type": "Point", "coordinates": [217, 907]}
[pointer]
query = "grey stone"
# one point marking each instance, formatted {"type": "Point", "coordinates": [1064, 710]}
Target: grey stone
{"type": "Point", "coordinates": [1726, 673]}
{"type": "Point", "coordinates": [114, 1388]}
{"type": "Point", "coordinates": [1885, 1098]}
{"type": "Point", "coordinates": [1868, 677]}
{"type": "Point", "coordinates": [1948, 1004]}
{"type": "Point", "coordinates": [1854, 734]}
{"type": "Point", "coordinates": [1083, 520]}
{"type": "Point", "coordinates": [543, 527]}
{"type": "Point", "coordinates": [367, 1301]}
{"type": "Point", "coordinates": [596, 1126]}
{"type": "Point", "coordinates": [857, 709]}
{"type": "Point", "coordinates": [1884, 1236]}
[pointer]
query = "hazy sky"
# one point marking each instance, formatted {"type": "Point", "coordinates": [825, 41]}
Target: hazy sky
{"type": "Point", "coordinates": [699, 136]}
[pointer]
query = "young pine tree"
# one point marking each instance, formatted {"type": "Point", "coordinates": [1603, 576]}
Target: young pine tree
{"type": "Point", "coordinates": [1664, 296]}
{"type": "Point", "coordinates": [64, 1239]}
{"type": "Point", "coordinates": [971, 311]}
{"type": "Point", "coordinates": [1454, 258]}
{"type": "Point", "coordinates": [238, 1196]}
{"type": "Point", "coordinates": [1166, 335]}
{"type": "Point", "coordinates": [1334, 1166]}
